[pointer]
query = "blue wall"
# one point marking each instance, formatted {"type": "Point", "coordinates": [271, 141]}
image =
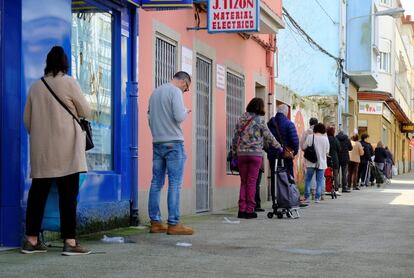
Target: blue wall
{"type": "Point", "coordinates": [10, 128]}
{"type": "Point", "coordinates": [359, 36]}
{"type": "Point", "coordinates": [303, 69]}
{"type": "Point", "coordinates": [103, 194]}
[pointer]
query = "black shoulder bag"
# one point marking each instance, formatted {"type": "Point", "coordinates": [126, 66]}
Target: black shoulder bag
{"type": "Point", "coordinates": [84, 124]}
{"type": "Point", "coordinates": [310, 152]}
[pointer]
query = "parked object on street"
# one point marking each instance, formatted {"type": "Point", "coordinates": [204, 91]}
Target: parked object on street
{"type": "Point", "coordinates": [377, 173]}
{"type": "Point", "coordinates": [115, 239]}
{"type": "Point", "coordinates": [329, 187]}
{"type": "Point", "coordinates": [285, 195]}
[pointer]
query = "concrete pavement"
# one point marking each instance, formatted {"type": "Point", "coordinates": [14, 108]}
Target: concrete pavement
{"type": "Point", "coordinates": [367, 233]}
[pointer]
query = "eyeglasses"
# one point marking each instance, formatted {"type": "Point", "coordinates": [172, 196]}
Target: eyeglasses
{"type": "Point", "coordinates": [187, 87]}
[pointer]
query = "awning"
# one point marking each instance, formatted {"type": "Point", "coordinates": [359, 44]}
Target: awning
{"type": "Point", "coordinates": [389, 100]}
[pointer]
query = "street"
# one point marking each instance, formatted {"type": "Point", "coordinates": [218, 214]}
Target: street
{"type": "Point", "coordinates": [367, 233]}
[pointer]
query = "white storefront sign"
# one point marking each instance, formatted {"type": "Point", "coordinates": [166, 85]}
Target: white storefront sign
{"type": "Point", "coordinates": [221, 77]}
{"type": "Point", "coordinates": [370, 107]}
{"type": "Point", "coordinates": [233, 16]}
{"type": "Point", "coordinates": [187, 60]}
{"type": "Point", "coordinates": [387, 114]}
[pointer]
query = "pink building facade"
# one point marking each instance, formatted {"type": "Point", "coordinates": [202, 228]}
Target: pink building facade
{"type": "Point", "coordinates": [227, 69]}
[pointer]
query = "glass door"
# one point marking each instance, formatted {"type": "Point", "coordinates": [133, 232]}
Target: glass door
{"type": "Point", "coordinates": [92, 49]}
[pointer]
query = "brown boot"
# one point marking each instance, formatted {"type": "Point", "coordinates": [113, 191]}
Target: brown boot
{"type": "Point", "coordinates": [157, 227]}
{"type": "Point", "coordinates": [179, 229]}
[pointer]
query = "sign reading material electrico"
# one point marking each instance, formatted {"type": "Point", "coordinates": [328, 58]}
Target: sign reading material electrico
{"type": "Point", "coordinates": [233, 16]}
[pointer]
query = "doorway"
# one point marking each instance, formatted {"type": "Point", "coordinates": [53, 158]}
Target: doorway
{"type": "Point", "coordinates": [203, 126]}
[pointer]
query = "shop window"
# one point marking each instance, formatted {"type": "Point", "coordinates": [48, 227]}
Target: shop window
{"type": "Point", "coordinates": [234, 106]}
{"type": "Point", "coordinates": [92, 67]}
{"type": "Point", "coordinates": [165, 60]}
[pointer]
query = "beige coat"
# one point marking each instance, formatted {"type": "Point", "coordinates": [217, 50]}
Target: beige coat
{"type": "Point", "coordinates": [57, 143]}
{"type": "Point", "coordinates": [357, 151]}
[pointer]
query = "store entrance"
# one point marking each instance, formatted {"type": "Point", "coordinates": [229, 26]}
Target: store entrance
{"type": "Point", "coordinates": [92, 60]}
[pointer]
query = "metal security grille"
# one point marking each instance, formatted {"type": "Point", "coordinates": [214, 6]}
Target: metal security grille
{"type": "Point", "coordinates": [203, 134]}
{"type": "Point", "coordinates": [234, 106]}
{"type": "Point", "coordinates": [165, 61]}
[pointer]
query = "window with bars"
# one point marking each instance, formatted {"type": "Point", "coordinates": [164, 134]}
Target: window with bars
{"type": "Point", "coordinates": [165, 61]}
{"type": "Point", "coordinates": [234, 106]}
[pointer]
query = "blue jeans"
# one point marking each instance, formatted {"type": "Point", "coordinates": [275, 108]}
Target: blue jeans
{"type": "Point", "coordinates": [320, 179]}
{"type": "Point", "coordinates": [168, 158]}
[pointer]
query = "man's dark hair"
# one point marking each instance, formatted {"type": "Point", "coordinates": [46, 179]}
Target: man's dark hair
{"type": "Point", "coordinates": [56, 61]}
{"type": "Point", "coordinates": [313, 121]}
{"type": "Point", "coordinates": [182, 75]}
{"type": "Point", "coordinates": [330, 131]}
{"type": "Point", "coordinates": [319, 128]}
{"type": "Point", "coordinates": [256, 105]}
{"type": "Point", "coordinates": [364, 136]}
{"type": "Point", "coordinates": [355, 137]}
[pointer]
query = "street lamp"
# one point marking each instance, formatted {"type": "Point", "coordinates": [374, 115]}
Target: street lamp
{"type": "Point", "coordinates": [395, 12]}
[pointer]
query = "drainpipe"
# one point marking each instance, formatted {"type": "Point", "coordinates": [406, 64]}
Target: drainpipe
{"type": "Point", "coordinates": [132, 91]}
{"type": "Point", "coordinates": [271, 95]}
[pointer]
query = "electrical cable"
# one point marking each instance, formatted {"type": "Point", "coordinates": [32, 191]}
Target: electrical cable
{"type": "Point", "coordinates": [320, 5]}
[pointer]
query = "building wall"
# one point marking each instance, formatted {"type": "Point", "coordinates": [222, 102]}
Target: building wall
{"type": "Point", "coordinates": [237, 54]}
{"type": "Point", "coordinates": [303, 69]}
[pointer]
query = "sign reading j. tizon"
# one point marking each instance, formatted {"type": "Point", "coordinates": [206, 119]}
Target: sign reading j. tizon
{"type": "Point", "coordinates": [233, 16]}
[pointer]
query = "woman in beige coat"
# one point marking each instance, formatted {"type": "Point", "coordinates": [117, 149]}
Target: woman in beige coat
{"type": "Point", "coordinates": [354, 160]}
{"type": "Point", "coordinates": [57, 151]}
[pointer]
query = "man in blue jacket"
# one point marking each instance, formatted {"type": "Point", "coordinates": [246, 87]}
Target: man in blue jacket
{"type": "Point", "coordinates": [285, 132]}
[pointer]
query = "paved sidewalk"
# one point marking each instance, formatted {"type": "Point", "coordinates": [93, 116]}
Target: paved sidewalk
{"type": "Point", "coordinates": [367, 233]}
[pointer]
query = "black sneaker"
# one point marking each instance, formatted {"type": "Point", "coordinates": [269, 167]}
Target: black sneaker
{"type": "Point", "coordinates": [74, 250]}
{"type": "Point", "coordinates": [259, 210]}
{"type": "Point", "coordinates": [28, 248]}
{"type": "Point", "coordinates": [241, 214]}
{"type": "Point", "coordinates": [250, 215]}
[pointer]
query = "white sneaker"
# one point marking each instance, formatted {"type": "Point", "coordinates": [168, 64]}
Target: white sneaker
{"type": "Point", "coordinates": [317, 200]}
{"type": "Point", "coordinates": [338, 193]}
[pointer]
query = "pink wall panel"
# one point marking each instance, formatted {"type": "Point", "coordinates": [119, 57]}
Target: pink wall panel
{"type": "Point", "coordinates": [230, 48]}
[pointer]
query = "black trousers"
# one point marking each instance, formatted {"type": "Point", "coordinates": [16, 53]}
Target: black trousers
{"type": "Point", "coordinates": [344, 175]}
{"type": "Point", "coordinates": [363, 168]}
{"type": "Point", "coordinates": [68, 189]}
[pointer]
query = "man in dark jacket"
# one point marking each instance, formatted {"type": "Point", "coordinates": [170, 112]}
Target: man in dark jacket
{"type": "Point", "coordinates": [285, 132]}
{"type": "Point", "coordinates": [346, 146]}
{"type": "Point", "coordinates": [365, 158]}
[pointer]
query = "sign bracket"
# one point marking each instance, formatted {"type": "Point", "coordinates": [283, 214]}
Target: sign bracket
{"type": "Point", "coordinates": [196, 28]}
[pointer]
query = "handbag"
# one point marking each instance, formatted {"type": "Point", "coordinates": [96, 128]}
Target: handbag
{"type": "Point", "coordinates": [288, 152]}
{"type": "Point", "coordinates": [84, 124]}
{"type": "Point", "coordinates": [232, 159]}
{"type": "Point", "coordinates": [310, 152]}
